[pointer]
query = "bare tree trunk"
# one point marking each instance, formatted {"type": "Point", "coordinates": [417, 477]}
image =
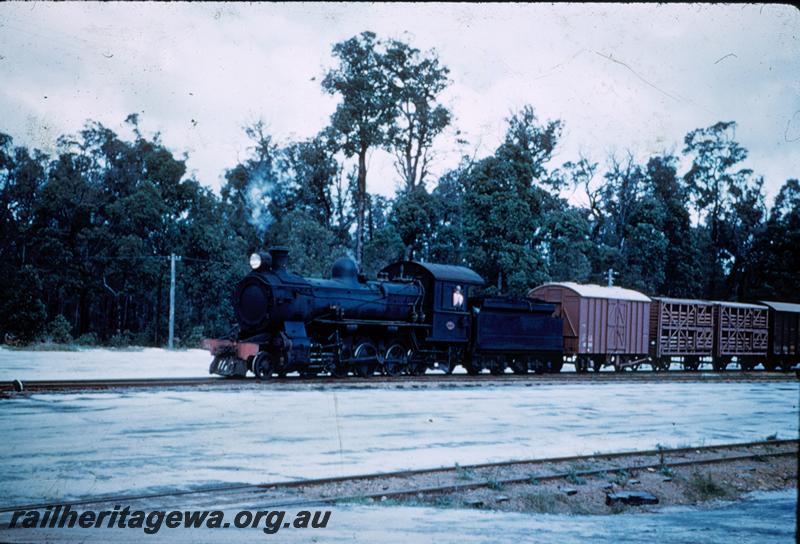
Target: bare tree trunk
{"type": "Point", "coordinates": [158, 308]}
{"type": "Point", "coordinates": [361, 197]}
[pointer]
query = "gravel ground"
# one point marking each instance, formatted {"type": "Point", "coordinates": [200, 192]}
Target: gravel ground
{"type": "Point", "coordinates": [74, 445]}
{"type": "Point", "coordinates": [763, 518]}
{"type": "Point", "coordinates": [698, 485]}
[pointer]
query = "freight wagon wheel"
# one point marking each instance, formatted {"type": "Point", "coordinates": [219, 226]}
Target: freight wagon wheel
{"type": "Point", "coordinates": [719, 366]}
{"type": "Point", "coordinates": [554, 366]}
{"type": "Point", "coordinates": [691, 365]}
{"type": "Point", "coordinates": [395, 360]}
{"type": "Point", "coordinates": [747, 366]}
{"type": "Point", "coordinates": [521, 367]}
{"type": "Point", "coordinates": [660, 365]}
{"type": "Point", "coordinates": [498, 367]}
{"type": "Point", "coordinates": [473, 370]}
{"type": "Point", "coordinates": [365, 357]}
{"type": "Point", "coordinates": [262, 366]}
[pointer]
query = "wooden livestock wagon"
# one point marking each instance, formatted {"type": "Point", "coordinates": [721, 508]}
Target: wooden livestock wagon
{"type": "Point", "coordinates": [680, 329]}
{"type": "Point", "coordinates": [740, 330]}
{"type": "Point", "coordinates": [602, 325]}
{"type": "Point", "coordinates": [784, 335]}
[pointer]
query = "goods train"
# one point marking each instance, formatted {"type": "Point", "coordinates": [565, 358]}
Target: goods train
{"type": "Point", "coordinates": [418, 316]}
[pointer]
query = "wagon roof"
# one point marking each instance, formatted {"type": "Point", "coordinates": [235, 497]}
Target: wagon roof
{"type": "Point", "coordinates": [590, 290]}
{"type": "Point", "coordinates": [738, 304]}
{"type": "Point", "coordinates": [782, 306]}
{"type": "Point", "coordinates": [442, 272]}
{"type": "Point", "coordinates": [683, 300]}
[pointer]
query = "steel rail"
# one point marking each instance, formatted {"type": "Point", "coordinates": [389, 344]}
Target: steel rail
{"type": "Point", "coordinates": [662, 452]}
{"type": "Point", "coordinates": [430, 379]}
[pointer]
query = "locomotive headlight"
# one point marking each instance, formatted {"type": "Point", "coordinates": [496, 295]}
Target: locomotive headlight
{"type": "Point", "coordinates": [255, 261]}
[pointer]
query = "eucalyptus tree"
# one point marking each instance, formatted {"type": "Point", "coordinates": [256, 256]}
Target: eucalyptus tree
{"type": "Point", "coordinates": [416, 81]}
{"type": "Point", "coordinates": [715, 179]}
{"type": "Point", "coordinates": [365, 112]}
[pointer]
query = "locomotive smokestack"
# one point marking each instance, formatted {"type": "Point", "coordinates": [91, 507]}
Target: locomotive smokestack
{"type": "Point", "coordinates": [279, 258]}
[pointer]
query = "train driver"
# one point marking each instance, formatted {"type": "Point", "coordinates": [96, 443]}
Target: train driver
{"type": "Point", "coordinates": [458, 298]}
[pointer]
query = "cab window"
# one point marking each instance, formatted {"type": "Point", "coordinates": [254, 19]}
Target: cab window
{"type": "Point", "coordinates": [454, 297]}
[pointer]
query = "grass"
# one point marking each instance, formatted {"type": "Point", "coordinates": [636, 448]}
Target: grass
{"type": "Point", "coordinates": [618, 508]}
{"type": "Point", "coordinates": [495, 485]}
{"type": "Point", "coordinates": [46, 346]}
{"type": "Point", "coordinates": [357, 500]}
{"type": "Point", "coordinates": [53, 346]}
{"type": "Point", "coordinates": [621, 477]}
{"type": "Point", "coordinates": [543, 502]}
{"type": "Point", "coordinates": [573, 478]}
{"type": "Point", "coordinates": [704, 488]}
{"type": "Point", "coordinates": [464, 473]}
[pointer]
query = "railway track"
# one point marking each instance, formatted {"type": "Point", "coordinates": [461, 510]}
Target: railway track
{"type": "Point", "coordinates": [429, 380]}
{"type": "Point", "coordinates": [399, 484]}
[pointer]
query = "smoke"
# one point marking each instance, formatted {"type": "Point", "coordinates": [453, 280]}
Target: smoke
{"type": "Point", "coordinates": [259, 196]}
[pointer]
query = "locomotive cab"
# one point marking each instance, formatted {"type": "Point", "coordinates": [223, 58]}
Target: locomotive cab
{"type": "Point", "coordinates": [447, 292]}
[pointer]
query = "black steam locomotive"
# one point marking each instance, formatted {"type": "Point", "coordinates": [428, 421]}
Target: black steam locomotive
{"type": "Point", "coordinates": [415, 317]}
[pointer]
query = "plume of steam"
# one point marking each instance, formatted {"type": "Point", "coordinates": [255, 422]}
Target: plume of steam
{"type": "Point", "coordinates": [259, 196]}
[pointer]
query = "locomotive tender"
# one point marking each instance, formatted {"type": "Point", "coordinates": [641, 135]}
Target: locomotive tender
{"type": "Point", "coordinates": [416, 316]}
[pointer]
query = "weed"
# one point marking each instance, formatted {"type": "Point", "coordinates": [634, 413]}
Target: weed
{"type": "Point", "coordinates": [621, 477]}
{"type": "Point", "coordinates": [705, 488]}
{"type": "Point", "coordinates": [495, 485]}
{"type": "Point", "coordinates": [661, 459]}
{"type": "Point", "coordinates": [360, 499]}
{"type": "Point", "coordinates": [573, 478]}
{"type": "Point", "coordinates": [772, 437]}
{"type": "Point", "coordinates": [443, 501]}
{"type": "Point", "coordinates": [463, 473]}
{"type": "Point", "coordinates": [618, 508]}
{"type": "Point", "coordinates": [542, 502]}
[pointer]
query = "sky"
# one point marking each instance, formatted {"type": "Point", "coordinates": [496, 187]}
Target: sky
{"type": "Point", "coordinates": [621, 76]}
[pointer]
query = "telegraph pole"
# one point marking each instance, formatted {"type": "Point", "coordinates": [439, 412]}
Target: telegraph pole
{"type": "Point", "coordinates": [172, 259]}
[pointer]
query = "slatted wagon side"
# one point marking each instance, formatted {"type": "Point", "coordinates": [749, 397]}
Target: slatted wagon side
{"type": "Point", "coordinates": [682, 329]}
{"type": "Point", "coordinates": [602, 325]}
{"type": "Point", "coordinates": [784, 335]}
{"type": "Point", "coordinates": [740, 331]}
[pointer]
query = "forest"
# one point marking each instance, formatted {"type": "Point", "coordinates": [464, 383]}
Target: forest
{"type": "Point", "coordinates": [86, 232]}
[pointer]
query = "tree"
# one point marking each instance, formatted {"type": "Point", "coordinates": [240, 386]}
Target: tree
{"type": "Point", "coordinates": [774, 266]}
{"type": "Point", "coordinates": [416, 82]}
{"type": "Point", "coordinates": [414, 218]}
{"type": "Point", "coordinates": [528, 147]}
{"type": "Point", "coordinates": [365, 112]}
{"type": "Point", "coordinates": [312, 170]}
{"type": "Point", "coordinates": [682, 276]}
{"type": "Point", "coordinates": [566, 244]}
{"type": "Point", "coordinates": [312, 247]}
{"type": "Point", "coordinates": [712, 180]}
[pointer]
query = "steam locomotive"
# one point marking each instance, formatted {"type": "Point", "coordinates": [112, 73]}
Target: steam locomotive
{"type": "Point", "coordinates": [414, 317]}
